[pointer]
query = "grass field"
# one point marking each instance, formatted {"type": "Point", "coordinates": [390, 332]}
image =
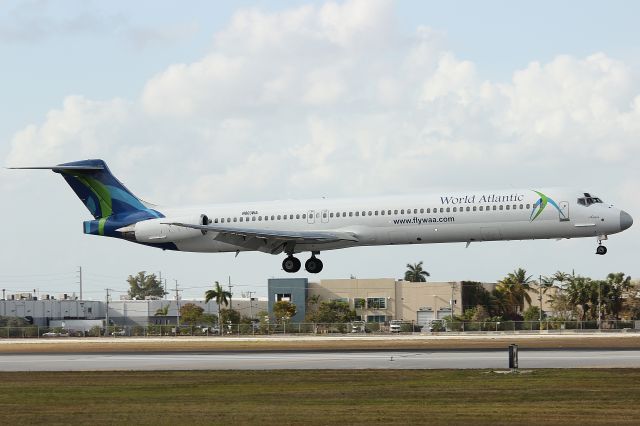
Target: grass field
{"type": "Point", "coordinates": [322, 397]}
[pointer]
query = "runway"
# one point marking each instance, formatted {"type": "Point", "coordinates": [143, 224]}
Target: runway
{"type": "Point", "coordinates": [464, 359]}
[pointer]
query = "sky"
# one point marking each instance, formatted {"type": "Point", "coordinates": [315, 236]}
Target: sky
{"type": "Point", "coordinates": [256, 100]}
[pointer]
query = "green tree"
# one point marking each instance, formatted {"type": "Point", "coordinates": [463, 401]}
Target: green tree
{"type": "Point", "coordinates": [230, 316]}
{"type": "Point", "coordinates": [334, 311]}
{"type": "Point", "coordinates": [142, 286]}
{"type": "Point", "coordinates": [562, 307]}
{"type": "Point", "coordinates": [415, 273]}
{"type": "Point", "coordinates": [617, 286]}
{"type": "Point", "coordinates": [191, 313]}
{"type": "Point", "coordinates": [221, 296]}
{"type": "Point", "coordinates": [284, 309]}
{"type": "Point", "coordinates": [532, 313]}
{"type": "Point", "coordinates": [162, 311]}
{"type": "Point", "coordinates": [513, 290]}
{"type": "Point", "coordinates": [581, 294]}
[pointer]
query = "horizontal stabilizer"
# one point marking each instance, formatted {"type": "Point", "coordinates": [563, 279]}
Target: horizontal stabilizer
{"type": "Point", "coordinates": [60, 168]}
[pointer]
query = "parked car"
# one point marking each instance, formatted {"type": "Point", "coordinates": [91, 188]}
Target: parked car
{"type": "Point", "coordinates": [395, 326]}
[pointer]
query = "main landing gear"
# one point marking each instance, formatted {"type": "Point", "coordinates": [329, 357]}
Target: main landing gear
{"type": "Point", "coordinates": [291, 264]}
{"type": "Point", "coordinates": [601, 250]}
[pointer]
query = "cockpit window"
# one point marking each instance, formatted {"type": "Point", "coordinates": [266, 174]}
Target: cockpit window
{"type": "Point", "coordinates": [588, 199]}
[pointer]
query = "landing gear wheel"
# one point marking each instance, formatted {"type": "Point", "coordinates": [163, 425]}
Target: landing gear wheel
{"type": "Point", "coordinates": [601, 250]}
{"type": "Point", "coordinates": [291, 264]}
{"type": "Point", "coordinates": [313, 265]}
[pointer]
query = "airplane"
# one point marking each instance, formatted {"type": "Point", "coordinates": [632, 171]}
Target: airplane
{"type": "Point", "coordinates": [292, 227]}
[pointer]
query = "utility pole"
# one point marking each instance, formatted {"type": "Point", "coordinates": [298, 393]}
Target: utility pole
{"type": "Point", "coordinates": [230, 294]}
{"type": "Point", "coordinates": [177, 301]}
{"type": "Point", "coordinates": [80, 280]}
{"type": "Point", "coordinates": [106, 328]}
{"type": "Point", "coordinates": [540, 299]}
{"type": "Point", "coordinates": [599, 305]}
{"type": "Point", "coordinates": [251, 304]}
{"type": "Point", "coordinates": [453, 286]}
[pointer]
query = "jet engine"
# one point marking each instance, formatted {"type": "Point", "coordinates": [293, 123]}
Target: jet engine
{"type": "Point", "coordinates": [159, 230]}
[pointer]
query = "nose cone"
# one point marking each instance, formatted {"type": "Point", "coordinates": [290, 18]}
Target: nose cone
{"type": "Point", "coordinates": [625, 220]}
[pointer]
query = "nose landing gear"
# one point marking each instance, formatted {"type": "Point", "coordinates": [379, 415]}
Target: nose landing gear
{"type": "Point", "coordinates": [601, 250]}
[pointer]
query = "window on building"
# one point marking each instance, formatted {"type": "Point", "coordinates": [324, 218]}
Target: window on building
{"type": "Point", "coordinates": [283, 297]}
{"type": "Point", "coordinates": [376, 318]}
{"type": "Point", "coordinates": [376, 303]}
{"type": "Point", "coordinates": [358, 303]}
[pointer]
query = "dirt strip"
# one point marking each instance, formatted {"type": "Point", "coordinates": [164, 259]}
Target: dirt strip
{"type": "Point", "coordinates": [306, 343]}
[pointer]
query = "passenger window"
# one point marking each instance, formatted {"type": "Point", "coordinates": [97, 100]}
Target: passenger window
{"type": "Point", "coordinates": [273, 217]}
{"type": "Point", "coordinates": [325, 215]}
{"type": "Point", "coordinates": [415, 211]}
{"type": "Point", "coordinates": [455, 209]}
{"type": "Point", "coordinates": [501, 206]}
{"type": "Point", "coordinates": [495, 208]}
{"type": "Point", "coordinates": [298, 216]}
{"type": "Point", "coordinates": [357, 213]}
{"type": "Point", "coordinates": [389, 212]}
{"type": "Point", "coordinates": [279, 217]}
{"type": "Point", "coordinates": [369, 213]}
{"type": "Point", "coordinates": [235, 219]}
{"type": "Point", "coordinates": [469, 209]}
{"type": "Point", "coordinates": [350, 214]}
{"type": "Point", "coordinates": [480, 208]}
{"type": "Point", "coordinates": [331, 215]}
{"type": "Point", "coordinates": [507, 207]}
{"type": "Point", "coordinates": [222, 220]}
{"type": "Point", "coordinates": [260, 218]}
{"type": "Point", "coordinates": [448, 209]}
{"type": "Point", "coordinates": [382, 212]}
{"type": "Point", "coordinates": [364, 213]}
{"type": "Point", "coordinates": [228, 219]}
{"type": "Point", "coordinates": [441, 209]}
{"type": "Point", "coordinates": [521, 206]}
{"type": "Point", "coordinates": [428, 210]}
{"type": "Point", "coordinates": [421, 211]}
{"type": "Point", "coordinates": [528, 206]}
{"type": "Point", "coordinates": [402, 211]}
{"type": "Point", "coordinates": [376, 213]}
{"type": "Point", "coordinates": [474, 208]}
{"type": "Point", "coordinates": [395, 212]}
{"type": "Point", "coordinates": [215, 221]}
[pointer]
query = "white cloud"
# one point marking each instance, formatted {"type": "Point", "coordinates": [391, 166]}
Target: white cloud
{"type": "Point", "coordinates": [334, 100]}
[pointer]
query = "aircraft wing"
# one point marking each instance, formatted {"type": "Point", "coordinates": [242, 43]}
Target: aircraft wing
{"type": "Point", "coordinates": [269, 240]}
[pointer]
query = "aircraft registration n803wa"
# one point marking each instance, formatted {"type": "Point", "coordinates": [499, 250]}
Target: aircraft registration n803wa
{"type": "Point", "coordinates": [292, 227]}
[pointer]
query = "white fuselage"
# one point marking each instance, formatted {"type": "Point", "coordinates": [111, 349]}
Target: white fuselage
{"type": "Point", "coordinates": [421, 219]}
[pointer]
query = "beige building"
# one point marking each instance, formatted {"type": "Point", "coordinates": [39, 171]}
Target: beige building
{"type": "Point", "coordinates": [386, 299]}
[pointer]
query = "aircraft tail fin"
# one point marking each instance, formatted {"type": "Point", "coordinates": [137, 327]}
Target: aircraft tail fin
{"type": "Point", "coordinates": [97, 188]}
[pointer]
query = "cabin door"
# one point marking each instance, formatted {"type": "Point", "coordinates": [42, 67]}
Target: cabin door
{"type": "Point", "coordinates": [564, 211]}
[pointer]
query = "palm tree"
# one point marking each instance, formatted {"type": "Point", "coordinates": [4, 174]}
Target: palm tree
{"type": "Point", "coordinates": [514, 287]}
{"type": "Point", "coordinates": [221, 297]}
{"type": "Point", "coordinates": [617, 285]}
{"type": "Point", "coordinates": [582, 292]}
{"type": "Point", "coordinates": [163, 311]}
{"type": "Point", "coordinates": [415, 273]}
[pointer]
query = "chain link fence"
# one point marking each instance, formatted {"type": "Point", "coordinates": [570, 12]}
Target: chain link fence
{"type": "Point", "coordinates": [266, 329]}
